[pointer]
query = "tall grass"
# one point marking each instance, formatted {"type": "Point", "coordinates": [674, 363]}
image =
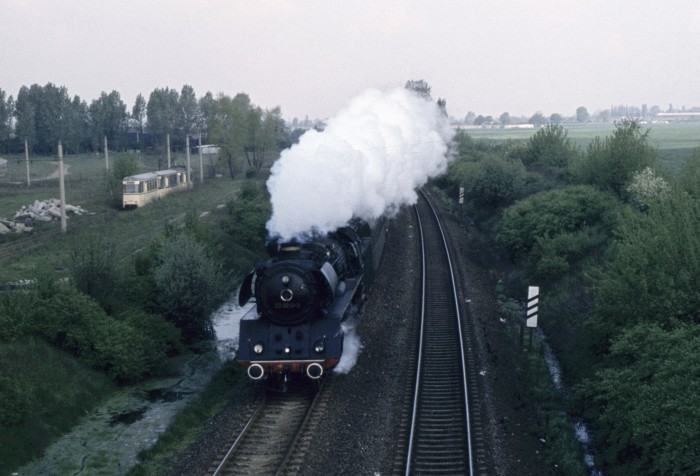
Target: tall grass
{"type": "Point", "coordinates": [57, 388]}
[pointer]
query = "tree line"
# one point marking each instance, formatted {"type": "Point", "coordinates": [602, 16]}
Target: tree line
{"type": "Point", "coordinates": [43, 115]}
{"type": "Point", "coordinates": [613, 240]}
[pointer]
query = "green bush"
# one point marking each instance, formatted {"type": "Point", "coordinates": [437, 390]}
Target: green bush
{"type": "Point", "coordinates": [247, 215]}
{"type": "Point", "coordinates": [645, 405]}
{"type": "Point", "coordinates": [655, 268]}
{"type": "Point", "coordinates": [93, 269]}
{"type": "Point", "coordinates": [43, 392]}
{"type": "Point", "coordinates": [549, 231]}
{"type": "Point", "coordinates": [610, 164]}
{"type": "Point", "coordinates": [164, 337]}
{"type": "Point", "coordinates": [188, 285]}
{"type": "Point", "coordinates": [490, 181]}
{"type": "Point", "coordinates": [124, 165]}
{"type": "Point", "coordinates": [689, 177]}
{"type": "Point", "coordinates": [549, 150]}
{"type": "Point", "coordinates": [71, 321]}
{"type": "Point", "coordinates": [16, 400]}
{"type": "Point", "coordinates": [13, 317]}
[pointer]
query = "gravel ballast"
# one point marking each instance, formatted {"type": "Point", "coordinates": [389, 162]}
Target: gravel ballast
{"type": "Point", "coordinates": [358, 433]}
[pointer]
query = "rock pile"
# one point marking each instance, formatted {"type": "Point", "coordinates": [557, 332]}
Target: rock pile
{"type": "Point", "coordinates": [44, 210]}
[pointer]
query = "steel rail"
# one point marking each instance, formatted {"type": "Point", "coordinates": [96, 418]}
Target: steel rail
{"type": "Point", "coordinates": [422, 337]}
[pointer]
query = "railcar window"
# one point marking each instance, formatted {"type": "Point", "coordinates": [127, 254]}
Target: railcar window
{"type": "Point", "coordinates": [131, 187]}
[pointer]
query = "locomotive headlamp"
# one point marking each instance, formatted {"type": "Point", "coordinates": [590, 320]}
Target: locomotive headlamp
{"type": "Point", "coordinates": [286, 295]}
{"type": "Point", "coordinates": [287, 350]}
{"type": "Point", "coordinates": [258, 348]}
{"type": "Point", "coordinates": [285, 279]}
{"type": "Point", "coordinates": [319, 346]}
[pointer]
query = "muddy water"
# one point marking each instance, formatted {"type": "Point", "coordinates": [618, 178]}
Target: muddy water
{"type": "Point", "coordinates": [108, 440]}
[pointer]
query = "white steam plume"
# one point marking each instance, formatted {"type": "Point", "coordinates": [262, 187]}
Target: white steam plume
{"type": "Point", "coordinates": [367, 162]}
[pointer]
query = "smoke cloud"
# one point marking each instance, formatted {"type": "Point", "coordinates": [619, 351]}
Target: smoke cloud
{"type": "Point", "coordinates": [368, 162]}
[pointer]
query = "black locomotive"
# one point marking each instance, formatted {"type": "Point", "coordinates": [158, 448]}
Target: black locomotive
{"type": "Point", "coordinates": [302, 295]}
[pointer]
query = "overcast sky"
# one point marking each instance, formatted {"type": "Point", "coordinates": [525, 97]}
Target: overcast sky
{"type": "Point", "coordinates": [311, 57]}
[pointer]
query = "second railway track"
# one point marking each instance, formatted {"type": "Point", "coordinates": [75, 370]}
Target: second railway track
{"type": "Point", "coordinates": [440, 437]}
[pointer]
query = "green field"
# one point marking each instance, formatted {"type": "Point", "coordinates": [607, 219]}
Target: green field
{"type": "Point", "coordinates": [675, 141]}
{"type": "Point", "coordinates": [128, 230]}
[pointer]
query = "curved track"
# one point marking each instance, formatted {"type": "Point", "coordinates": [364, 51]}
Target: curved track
{"type": "Point", "coordinates": [440, 434]}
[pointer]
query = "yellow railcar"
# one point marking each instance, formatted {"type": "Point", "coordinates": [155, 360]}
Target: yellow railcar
{"type": "Point", "coordinates": [140, 189]}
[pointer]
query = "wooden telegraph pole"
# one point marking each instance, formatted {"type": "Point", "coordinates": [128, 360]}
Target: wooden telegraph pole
{"type": "Point", "coordinates": [62, 188]}
{"type": "Point", "coordinates": [167, 142]}
{"type": "Point", "coordinates": [106, 155]}
{"type": "Point", "coordinates": [187, 154]}
{"type": "Point", "coordinates": [26, 161]}
{"type": "Point", "coordinates": [201, 167]}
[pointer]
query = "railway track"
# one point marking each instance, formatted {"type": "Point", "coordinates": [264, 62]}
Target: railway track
{"type": "Point", "coordinates": [440, 429]}
{"type": "Point", "coordinates": [275, 437]}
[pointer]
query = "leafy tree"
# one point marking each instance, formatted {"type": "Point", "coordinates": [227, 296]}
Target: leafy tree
{"type": "Point", "coordinates": [266, 130]}
{"type": "Point", "coordinates": [25, 126]}
{"type": "Point", "coordinates": [551, 230]}
{"type": "Point", "coordinates": [645, 405]}
{"type": "Point", "coordinates": [5, 115]}
{"type": "Point", "coordinates": [655, 268]}
{"type": "Point", "coordinates": [228, 128]}
{"type": "Point", "coordinates": [555, 118]}
{"type": "Point", "coordinates": [549, 148]}
{"type": "Point", "coordinates": [138, 115]}
{"type": "Point", "coordinates": [610, 164]}
{"type": "Point", "coordinates": [76, 136]}
{"type": "Point", "coordinates": [582, 114]}
{"type": "Point", "coordinates": [109, 117]}
{"type": "Point", "coordinates": [247, 215]}
{"type": "Point", "coordinates": [420, 87]}
{"type": "Point", "coordinates": [647, 188]}
{"type": "Point", "coordinates": [205, 112]}
{"type": "Point", "coordinates": [442, 105]}
{"type": "Point", "coordinates": [505, 119]}
{"type": "Point", "coordinates": [46, 115]}
{"type": "Point", "coordinates": [689, 177]}
{"type": "Point", "coordinates": [188, 283]}
{"type": "Point", "coordinates": [163, 112]}
{"type": "Point", "coordinates": [490, 180]}
{"type": "Point", "coordinates": [188, 110]}
{"type": "Point", "coordinates": [125, 164]}
{"type": "Point", "coordinates": [537, 119]}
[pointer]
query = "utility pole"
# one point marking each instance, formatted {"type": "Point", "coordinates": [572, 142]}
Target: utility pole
{"type": "Point", "coordinates": [106, 155]}
{"type": "Point", "coordinates": [26, 161]}
{"type": "Point", "coordinates": [62, 188]}
{"type": "Point", "coordinates": [167, 141]}
{"type": "Point", "coordinates": [187, 154]}
{"type": "Point", "coordinates": [201, 167]}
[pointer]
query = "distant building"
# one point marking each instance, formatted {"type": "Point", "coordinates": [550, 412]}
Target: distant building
{"type": "Point", "coordinates": [679, 116]}
{"type": "Point", "coordinates": [208, 149]}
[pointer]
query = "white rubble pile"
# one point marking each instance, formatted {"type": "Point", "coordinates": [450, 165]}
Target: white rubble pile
{"type": "Point", "coordinates": [44, 210]}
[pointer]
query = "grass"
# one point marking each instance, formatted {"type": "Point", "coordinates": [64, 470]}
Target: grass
{"type": "Point", "coordinates": [675, 141]}
{"type": "Point", "coordinates": [55, 386]}
{"type": "Point", "coordinates": [675, 135]}
{"type": "Point", "coordinates": [129, 230]}
{"type": "Point", "coordinates": [59, 389]}
{"type": "Point", "coordinates": [190, 423]}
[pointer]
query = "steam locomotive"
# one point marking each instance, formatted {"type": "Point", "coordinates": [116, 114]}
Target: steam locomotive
{"type": "Point", "coordinates": [303, 294]}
